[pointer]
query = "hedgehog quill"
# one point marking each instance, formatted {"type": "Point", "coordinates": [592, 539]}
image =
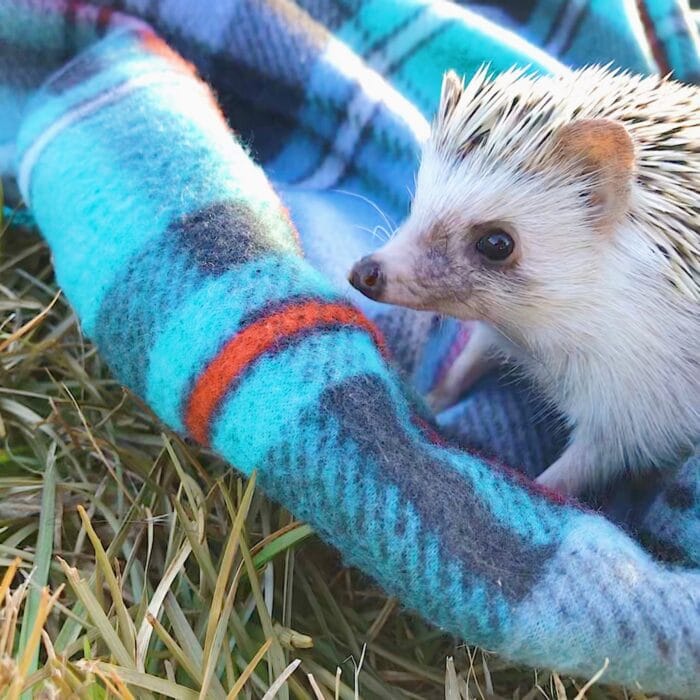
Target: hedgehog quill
{"type": "Point", "coordinates": [563, 213]}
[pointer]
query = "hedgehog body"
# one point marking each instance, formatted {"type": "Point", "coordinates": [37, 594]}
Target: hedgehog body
{"type": "Point", "coordinates": [564, 212]}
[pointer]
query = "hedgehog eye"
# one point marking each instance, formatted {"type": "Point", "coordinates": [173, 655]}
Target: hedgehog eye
{"type": "Point", "coordinates": [496, 245]}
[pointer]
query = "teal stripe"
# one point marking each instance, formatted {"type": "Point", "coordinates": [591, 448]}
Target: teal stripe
{"type": "Point", "coordinates": [277, 390]}
{"type": "Point", "coordinates": [150, 172]}
{"type": "Point", "coordinates": [462, 40]}
{"type": "Point", "coordinates": [197, 330]}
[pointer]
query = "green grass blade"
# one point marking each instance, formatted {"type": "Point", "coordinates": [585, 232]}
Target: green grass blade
{"type": "Point", "coordinates": [147, 681]}
{"type": "Point", "coordinates": [154, 606]}
{"type": "Point", "coordinates": [213, 639]}
{"type": "Point", "coordinates": [42, 558]}
{"type": "Point", "coordinates": [277, 659]}
{"type": "Point", "coordinates": [282, 544]}
{"type": "Point", "coordinates": [71, 628]}
{"type": "Point", "coordinates": [126, 625]}
{"type": "Point", "coordinates": [97, 615]}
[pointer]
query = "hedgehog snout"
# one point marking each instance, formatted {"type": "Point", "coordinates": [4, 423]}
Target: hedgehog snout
{"type": "Point", "coordinates": [367, 276]}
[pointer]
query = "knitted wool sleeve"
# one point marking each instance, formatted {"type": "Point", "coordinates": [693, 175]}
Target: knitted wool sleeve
{"type": "Point", "coordinates": [184, 268]}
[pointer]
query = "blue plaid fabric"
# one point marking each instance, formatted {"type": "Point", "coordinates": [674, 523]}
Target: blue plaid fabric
{"type": "Point", "coordinates": [204, 244]}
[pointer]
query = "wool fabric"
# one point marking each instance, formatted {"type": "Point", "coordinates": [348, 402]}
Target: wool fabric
{"type": "Point", "coordinates": [203, 243]}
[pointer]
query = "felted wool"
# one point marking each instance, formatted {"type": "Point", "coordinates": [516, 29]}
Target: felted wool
{"type": "Point", "coordinates": [671, 524]}
{"type": "Point", "coordinates": [185, 268]}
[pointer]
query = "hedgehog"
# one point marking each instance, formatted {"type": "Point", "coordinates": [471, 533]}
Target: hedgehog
{"type": "Point", "coordinates": [561, 213]}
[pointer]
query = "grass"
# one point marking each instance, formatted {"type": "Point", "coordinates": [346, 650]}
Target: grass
{"type": "Point", "coordinates": [139, 566]}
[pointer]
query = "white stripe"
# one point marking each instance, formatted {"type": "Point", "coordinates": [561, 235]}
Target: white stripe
{"type": "Point", "coordinates": [372, 89]}
{"type": "Point", "coordinates": [360, 110]}
{"type": "Point", "coordinates": [403, 42]}
{"type": "Point", "coordinates": [568, 22]}
{"type": "Point", "coordinates": [79, 112]}
{"type": "Point", "coordinates": [633, 20]}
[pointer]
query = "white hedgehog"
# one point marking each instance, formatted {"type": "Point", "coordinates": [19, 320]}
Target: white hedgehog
{"type": "Point", "coordinates": [564, 211]}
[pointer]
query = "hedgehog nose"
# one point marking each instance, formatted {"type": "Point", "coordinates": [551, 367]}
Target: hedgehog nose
{"type": "Point", "coordinates": [367, 277]}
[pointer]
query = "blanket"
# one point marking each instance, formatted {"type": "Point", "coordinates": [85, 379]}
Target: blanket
{"type": "Point", "coordinates": [205, 173]}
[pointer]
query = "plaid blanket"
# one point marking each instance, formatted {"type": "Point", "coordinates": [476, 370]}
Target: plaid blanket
{"type": "Point", "coordinates": [203, 239]}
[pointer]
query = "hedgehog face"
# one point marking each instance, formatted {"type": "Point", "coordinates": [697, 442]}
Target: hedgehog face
{"type": "Point", "coordinates": [503, 229]}
{"type": "Point", "coordinates": [485, 243]}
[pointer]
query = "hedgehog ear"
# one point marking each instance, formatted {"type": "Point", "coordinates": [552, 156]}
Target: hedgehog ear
{"type": "Point", "coordinates": [603, 150]}
{"type": "Point", "coordinates": [452, 88]}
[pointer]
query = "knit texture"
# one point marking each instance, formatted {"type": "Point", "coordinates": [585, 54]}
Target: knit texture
{"type": "Point", "coordinates": [211, 276]}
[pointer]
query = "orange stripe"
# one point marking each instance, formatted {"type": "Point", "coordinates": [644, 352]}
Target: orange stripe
{"type": "Point", "coordinates": [259, 337]}
{"type": "Point", "coordinates": [153, 43]}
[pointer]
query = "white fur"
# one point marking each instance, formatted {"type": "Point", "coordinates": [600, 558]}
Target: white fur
{"type": "Point", "coordinates": [597, 323]}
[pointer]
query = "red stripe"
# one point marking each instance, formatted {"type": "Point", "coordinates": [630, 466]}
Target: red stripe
{"type": "Point", "coordinates": [104, 15]}
{"type": "Point", "coordinates": [655, 44]}
{"type": "Point", "coordinates": [428, 431]}
{"type": "Point", "coordinates": [71, 12]}
{"type": "Point", "coordinates": [261, 336]}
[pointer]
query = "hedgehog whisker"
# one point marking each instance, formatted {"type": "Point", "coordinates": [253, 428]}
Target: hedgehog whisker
{"type": "Point", "coordinates": [377, 231]}
{"type": "Point", "coordinates": [390, 226]}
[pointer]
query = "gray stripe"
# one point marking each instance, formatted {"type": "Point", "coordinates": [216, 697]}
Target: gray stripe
{"type": "Point", "coordinates": [160, 275]}
{"type": "Point", "coordinates": [445, 500]}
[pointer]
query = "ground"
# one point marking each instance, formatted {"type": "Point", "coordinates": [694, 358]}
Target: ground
{"type": "Point", "coordinates": [179, 578]}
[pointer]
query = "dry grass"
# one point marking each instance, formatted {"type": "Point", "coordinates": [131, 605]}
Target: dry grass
{"type": "Point", "coordinates": [139, 566]}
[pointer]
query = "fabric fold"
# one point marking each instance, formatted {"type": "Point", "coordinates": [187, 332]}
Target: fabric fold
{"type": "Point", "coordinates": [185, 268]}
